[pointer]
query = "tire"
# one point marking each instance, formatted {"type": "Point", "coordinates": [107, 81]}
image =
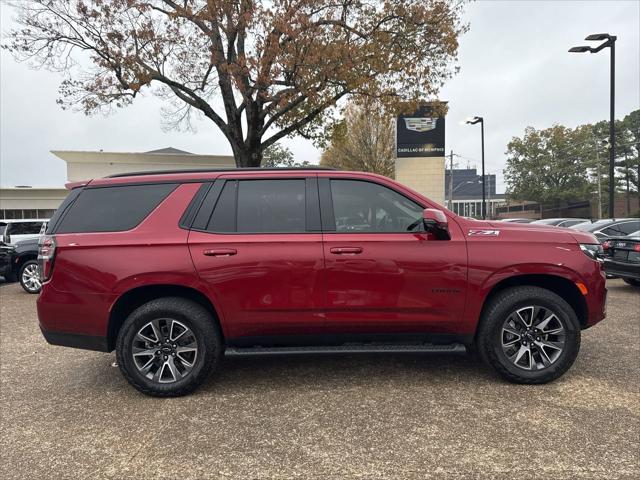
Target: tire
{"type": "Point", "coordinates": [28, 277]}
{"type": "Point", "coordinates": [529, 357]}
{"type": "Point", "coordinates": [167, 373]}
{"type": "Point", "coordinates": [632, 281]}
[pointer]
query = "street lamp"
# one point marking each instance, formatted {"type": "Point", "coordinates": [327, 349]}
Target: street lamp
{"type": "Point", "coordinates": [609, 41]}
{"type": "Point", "coordinates": [473, 121]}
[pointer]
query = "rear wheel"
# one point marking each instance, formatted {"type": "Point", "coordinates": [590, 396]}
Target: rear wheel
{"type": "Point", "coordinates": [632, 281]}
{"type": "Point", "coordinates": [168, 347]}
{"type": "Point", "coordinates": [29, 277]}
{"type": "Point", "coordinates": [529, 335]}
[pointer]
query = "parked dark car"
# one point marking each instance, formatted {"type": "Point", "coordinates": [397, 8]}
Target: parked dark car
{"type": "Point", "coordinates": [610, 227]}
{"type": "Point", "coordinates": [560, 222]}
{"type": "Point", "coordinates": [25, 265]}
{"type": "Point", "coordinates": [6, 268]}
{"type": "Point", "coordinates": [173, 269]}
{"type": "Point", "coordinates": [622, 258]}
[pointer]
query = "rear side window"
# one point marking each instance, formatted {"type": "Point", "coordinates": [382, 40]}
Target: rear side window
{"type": "Point", "coordinates": [224, 215]}
{"type": "Point", "coordinates": [271, 206]}
{"type": "Point", "coordinates": [24, 228]}
{"type": "Point", "coordinates": [262, 206]}
{"type": "Point", "coordinates": [621, 229]}
{"type": "Point", "coordinates": [112, 209]}
{"type": "Point", "coordinates": [66, 203]}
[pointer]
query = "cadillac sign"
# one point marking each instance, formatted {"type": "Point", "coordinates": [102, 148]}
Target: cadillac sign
{"type": "Point", "coordinates": [420, 135]}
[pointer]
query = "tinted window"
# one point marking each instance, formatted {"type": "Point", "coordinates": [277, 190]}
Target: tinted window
{"type": "Point", "coordinates": [271, 206]}
{"type": "Point", "coordinates": [224, 213]}
{"type": "Point", "coordinates": [369, 207]}
{"type": "Point", "coordinates": [112, 209]}
{"type": "Point", "coordinates": [621, 229]}
{"type": "Point", "coordinates": [66, 203]}
{"type": "Point", "coordinates": [24, 228]}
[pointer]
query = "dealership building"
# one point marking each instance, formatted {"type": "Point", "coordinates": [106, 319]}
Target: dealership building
{"type": "Point", "coordinates": [24, 201]}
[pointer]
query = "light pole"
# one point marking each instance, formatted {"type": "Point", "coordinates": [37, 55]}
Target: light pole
{"type": "Point", "coordinates": [473, 121]}
{"type": "Point", "coordinates": [610, 41]}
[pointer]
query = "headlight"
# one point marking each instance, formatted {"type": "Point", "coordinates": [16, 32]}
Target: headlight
{"type": "Point", "coordinates": [593, 251]}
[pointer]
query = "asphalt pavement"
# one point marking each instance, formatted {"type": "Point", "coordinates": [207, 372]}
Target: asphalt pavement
{"type": "Point", "coordinates": [69, 413]}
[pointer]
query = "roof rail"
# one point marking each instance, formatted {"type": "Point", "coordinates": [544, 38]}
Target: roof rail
{"type": "Point", "coordinates": [213, 170]}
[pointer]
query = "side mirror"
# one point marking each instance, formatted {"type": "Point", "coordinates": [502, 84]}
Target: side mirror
{"type": "Point", "coordinates": [436, 222]}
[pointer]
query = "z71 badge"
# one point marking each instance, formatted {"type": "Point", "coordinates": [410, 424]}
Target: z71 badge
{"type": "Point", "coordinates": [484, 233]}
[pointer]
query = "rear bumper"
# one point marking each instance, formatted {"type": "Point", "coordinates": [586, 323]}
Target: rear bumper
{"type": "Point", "coordinates": [75, 340]}
{"type": "Point", "coordinates": [77, 320]}
{"type": "Point", "coordinates": [622, 269]}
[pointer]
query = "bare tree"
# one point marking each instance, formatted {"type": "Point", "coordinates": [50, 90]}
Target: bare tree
{"type": "Point", "coordinates": [363, 141]}
{"type": "Point", "coordinates": [260, 70]}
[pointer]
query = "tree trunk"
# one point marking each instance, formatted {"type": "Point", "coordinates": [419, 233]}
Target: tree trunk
{"type": "Point", "coordinates": [247, 156]}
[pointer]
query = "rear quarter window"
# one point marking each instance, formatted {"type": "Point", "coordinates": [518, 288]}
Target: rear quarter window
{"type": "Point", "coordinates": [112, 209]}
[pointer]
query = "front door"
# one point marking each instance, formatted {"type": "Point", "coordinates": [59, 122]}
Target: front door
{"type": "Point", "coordinates": [384, 274]}
{"type": "Point", "coordinates": [257, 244]}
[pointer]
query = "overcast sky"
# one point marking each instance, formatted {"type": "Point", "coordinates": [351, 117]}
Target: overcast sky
{"type": "Point", "coordinates": [515, 72]}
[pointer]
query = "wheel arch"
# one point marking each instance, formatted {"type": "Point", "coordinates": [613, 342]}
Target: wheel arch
{"type": "Point", "coordinates": [128, 301]}
{"type": "Point", "coordinates": [22, 259]}
{"type": "Point", "coordinates": [559, 285]}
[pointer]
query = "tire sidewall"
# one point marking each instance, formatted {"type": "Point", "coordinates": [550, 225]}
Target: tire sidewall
{"type": "Point", "coordinates": [493, 337]}
{"type": "Point", "coordinates": [191, 315]}
{"type": "Point", "coordinates": [22, 269]}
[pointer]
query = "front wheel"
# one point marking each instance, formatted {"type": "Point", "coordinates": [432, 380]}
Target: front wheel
{"type": "Point", "coordinates": [29, 277]}
{"type": "Point", "coordinates": [529, 335]}
{"type": "Point", "coordinates": [168, 347]}
{"type": "Point", "coordinates": [632, 281]}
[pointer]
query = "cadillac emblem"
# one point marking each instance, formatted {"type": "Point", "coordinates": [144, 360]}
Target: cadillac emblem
{"type": "Point", "coordinates": [420, 124]}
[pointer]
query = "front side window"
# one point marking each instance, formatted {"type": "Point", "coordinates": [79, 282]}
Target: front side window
{"type": "Point", "coordinates": [360, 206]}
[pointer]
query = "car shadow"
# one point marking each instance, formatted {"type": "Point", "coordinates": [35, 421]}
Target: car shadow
{"type": "Point", "coordinates": [329, 371]}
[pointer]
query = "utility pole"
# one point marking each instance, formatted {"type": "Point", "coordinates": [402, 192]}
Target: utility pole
{"type": "Point", "coordinates": [451, 181]}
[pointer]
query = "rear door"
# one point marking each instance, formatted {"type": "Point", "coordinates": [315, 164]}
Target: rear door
{"type": "Point", "coordinates": [257, 244]}
{"type": "Point", "coordinates": [384, 274]}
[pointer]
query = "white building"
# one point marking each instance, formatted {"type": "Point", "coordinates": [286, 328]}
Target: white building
{"type": "Point", "coordinates": [40, 202]}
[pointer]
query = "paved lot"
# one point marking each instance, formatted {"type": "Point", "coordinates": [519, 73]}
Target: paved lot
{"type": "Point", "coordinates": [69, 414]}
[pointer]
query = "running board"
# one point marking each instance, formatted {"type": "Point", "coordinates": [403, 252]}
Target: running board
{"type": "Point", "coordinates": [456, 348]}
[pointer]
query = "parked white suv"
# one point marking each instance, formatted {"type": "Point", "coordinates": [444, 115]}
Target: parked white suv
{"type": "Point", "coordinates": [12, 231]}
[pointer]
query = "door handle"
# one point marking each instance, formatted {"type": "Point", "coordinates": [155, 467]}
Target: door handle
{"type": "Point", "coordinates": [220, 252]}
{"type": "Point", "coordinates": [346, 250]}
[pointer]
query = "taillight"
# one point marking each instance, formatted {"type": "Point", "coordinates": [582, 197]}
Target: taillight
{"type": "Point", "coordinates": [636, 247]}
{"type": "Point", "coordinates": [46, 256]}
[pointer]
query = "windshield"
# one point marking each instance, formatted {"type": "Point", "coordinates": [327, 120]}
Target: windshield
{"type": "Point", "coordinates": [3, 227]}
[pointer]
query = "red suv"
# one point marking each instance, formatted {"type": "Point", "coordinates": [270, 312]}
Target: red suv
{"type": "Point", "coordinates": [173, 269]}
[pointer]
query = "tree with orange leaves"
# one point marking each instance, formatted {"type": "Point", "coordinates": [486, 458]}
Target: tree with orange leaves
{"type": "Point", "coordinates": [259, 70]}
